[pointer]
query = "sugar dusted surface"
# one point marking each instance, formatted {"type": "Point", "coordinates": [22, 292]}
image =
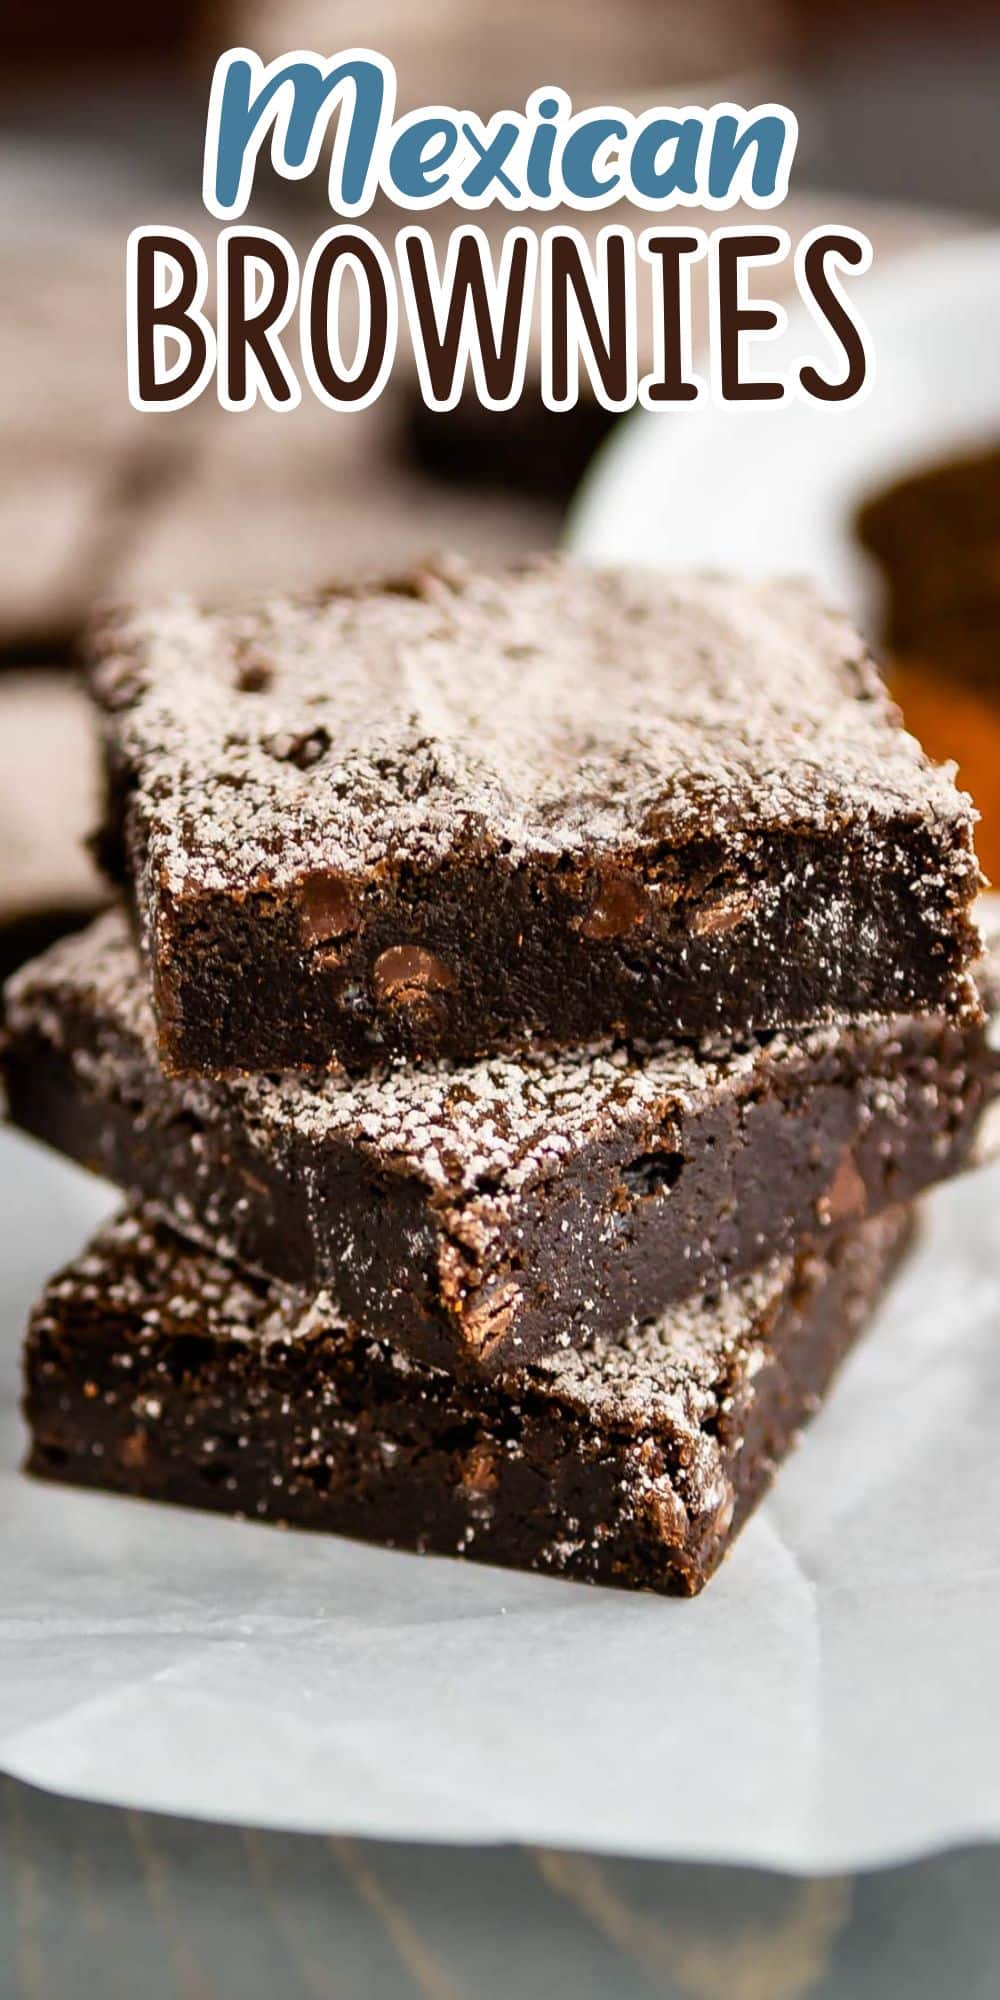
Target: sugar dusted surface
{"type": "Point", "coordinates": [546, 710]}
{"type": "Point", "coordinates": [504, 1121]}
{"type": "Point", "coordinates": [668, 1371]}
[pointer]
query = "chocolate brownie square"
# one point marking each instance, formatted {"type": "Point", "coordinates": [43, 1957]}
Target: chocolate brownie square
{"type": "Point", "coordinates": [475, 810]}
{"type": "Point", "coordinates": [307, 496]}
{"type": "Point", "coordinates": [478, 1216]}
{"type": "Point", "coordinates": [48, 804]}
{"type": "Point", "coordinates": [153, 1369]}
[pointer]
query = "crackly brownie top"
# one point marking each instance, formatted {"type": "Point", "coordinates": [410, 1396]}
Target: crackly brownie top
{"type": "Point", "coordinates": [550, 709]}
{"type": "Point", "coordinates": [475, 1135]}
{"type": "Point", "coordinates": [675, 1371]}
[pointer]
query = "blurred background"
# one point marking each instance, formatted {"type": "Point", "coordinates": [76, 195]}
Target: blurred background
{"type": "Point", "coordinates": [102, 127]}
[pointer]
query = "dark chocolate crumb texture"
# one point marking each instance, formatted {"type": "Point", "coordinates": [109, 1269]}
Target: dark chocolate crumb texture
{"type": "Point", "coordinates": [153, 1369]}
{"type": "Point", "coordinates": [470, 811]}
{"type": "Point", "coordinates": [478, 1215]}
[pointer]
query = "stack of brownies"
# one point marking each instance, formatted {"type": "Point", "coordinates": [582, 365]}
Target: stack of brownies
{"type": "Point", "coordinates": [537, 1001]}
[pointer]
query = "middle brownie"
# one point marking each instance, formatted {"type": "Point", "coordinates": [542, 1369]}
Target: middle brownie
{"type": "Point", "coordinates": [478, 1215]}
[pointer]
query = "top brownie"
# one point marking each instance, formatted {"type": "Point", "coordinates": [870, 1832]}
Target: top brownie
{"type": "Point", "coordinates": [467, 811]}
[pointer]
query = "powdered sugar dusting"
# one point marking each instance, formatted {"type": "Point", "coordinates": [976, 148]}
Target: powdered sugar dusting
{"type": "Point", "coordinates": [677, 1373]}
{"type": "Point", "coordinates": [503, 1123]}
{"type": "Point", "coordinates": [545, 710]}
{"type": "Point", "coordinates": [666, 1371]}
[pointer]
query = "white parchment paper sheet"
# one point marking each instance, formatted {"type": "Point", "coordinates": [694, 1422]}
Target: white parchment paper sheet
{"type": "Point", "coordinates": [829, 1703]}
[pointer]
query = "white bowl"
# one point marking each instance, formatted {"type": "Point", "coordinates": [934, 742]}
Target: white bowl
{"type": "Point", "coordinates": [773, 488]}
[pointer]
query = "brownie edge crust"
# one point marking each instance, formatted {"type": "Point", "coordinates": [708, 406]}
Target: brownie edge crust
{"type": "Point", "coordinates": [472, 811]}
{"type": "Point", "coordinates": [151, 1369]}
{"type": "Point", "coordinates": [476, 1216]}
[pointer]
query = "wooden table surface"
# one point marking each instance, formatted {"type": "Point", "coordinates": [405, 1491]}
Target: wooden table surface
{"type": "Point", "coordinates": [99, 1902]}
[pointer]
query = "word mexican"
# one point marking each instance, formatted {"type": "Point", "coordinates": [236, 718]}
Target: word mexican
{"type": "Point", "coordinates": [539, 158]}
{"type": "Point", "coordinates": [468, 316]}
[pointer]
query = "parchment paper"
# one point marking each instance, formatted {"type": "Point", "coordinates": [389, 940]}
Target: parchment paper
{"type": "Point", "coordinates": [829, 1703]}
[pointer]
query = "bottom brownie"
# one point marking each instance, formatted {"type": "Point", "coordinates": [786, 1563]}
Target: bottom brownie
{"type": "Point", "coordinates": [153, 1369]}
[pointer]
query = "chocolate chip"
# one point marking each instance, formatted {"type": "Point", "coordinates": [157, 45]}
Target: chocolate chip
{"type": "Point", "coordinates": [490, 1318]}
{"type": "Point", "coordinates": [254, 673]}
{"type": "Point", "coordinates": [412, 584]}
{"type": "Point", "coordinates": [328, 909]}
{"type": "Point", "coordinates": [479, 1472]}
{"type": "Point", "coordinates": [713, 919]}
{"type": "Point", "coordinates": [405, 975]}
{"type": "Point", "coordinates": [303, 750]}
{"type": "Point", "coordinates": [653, 1173]}
{"type": "Point", "coordinates": [666, 1511]}
{"type": "Point", "coordinates": [846, 1196]}
{"type": "Point", "coordinates": [618, 907]}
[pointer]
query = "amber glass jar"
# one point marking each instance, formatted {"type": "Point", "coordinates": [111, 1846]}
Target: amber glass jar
{"type": "Point", "coordinates": [936, 538]}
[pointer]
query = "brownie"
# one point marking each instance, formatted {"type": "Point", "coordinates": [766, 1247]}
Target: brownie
{"type": "Point", "coordinates": [488, 59]}
{"type": "Point", "coordinates": [530, 449]}
{"type": "Point", "coordinates": [153, 1369]}
{"type": "Point", "coordinates": [307, 497]}
{"type": "Point", "coordinates": [478, 1215]}
{"type": "Point", "coordinates": [53, 522]}
{"type": "Point", "coordinates": [75, 459]}
{"type": "Point", "coordinates": [53, 38]}
{"type": "Point", "coordinates": [478, 809]}
{"type": "Point", "coordinates": [48, 803]}
{"type": "Point", "coordinates": [63, 396]}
